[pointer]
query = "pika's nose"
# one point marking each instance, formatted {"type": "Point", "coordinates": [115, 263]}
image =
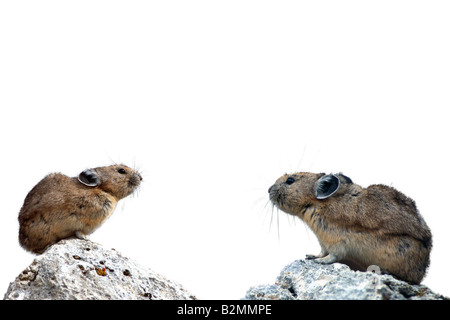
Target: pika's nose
{"type": "Point", "coordinates": [270, 189]}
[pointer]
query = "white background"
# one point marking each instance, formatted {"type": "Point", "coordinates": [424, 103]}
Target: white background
{"type": "Point", "coordinates": [213, 101]}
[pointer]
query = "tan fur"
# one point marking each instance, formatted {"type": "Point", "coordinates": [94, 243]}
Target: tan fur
{"type": "Point", "coordinates": [59, 207]}
{"type": "Point", "coordinates": [377, 225]}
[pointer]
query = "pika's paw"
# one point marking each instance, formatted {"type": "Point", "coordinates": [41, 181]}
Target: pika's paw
{"type": "Point", "coordinates": [322, 254]}
{"type": "Point", "coordinates": [330, 258]}
{"type": "Point", "coordinates": [81, 235]}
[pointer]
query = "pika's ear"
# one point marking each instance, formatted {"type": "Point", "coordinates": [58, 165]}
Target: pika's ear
{"type": "Point", "coordinates": [326, 186]}
{"type": "Point", "coordinates": [88, 178]}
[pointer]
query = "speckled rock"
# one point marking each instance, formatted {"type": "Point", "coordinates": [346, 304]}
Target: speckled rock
{"type": "Point", "coordinates": [308, 280]}
{"type": "Point", "coordinates": [81, 269]}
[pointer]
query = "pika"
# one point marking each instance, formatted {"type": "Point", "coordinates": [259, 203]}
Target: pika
{"type": "Point", "coordinates": [360, 227]}
{"type": "Point", "coordinates": [59, 206]}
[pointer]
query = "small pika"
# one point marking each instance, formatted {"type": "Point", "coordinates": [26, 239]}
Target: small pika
{"type": "Point", "coordinates": [361, 227]}
{"type": "Point", "coordinates": [59, 206]}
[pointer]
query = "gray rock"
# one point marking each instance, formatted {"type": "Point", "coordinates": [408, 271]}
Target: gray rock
{"type": "Point", "coordinates": [81, 269]}
{"type": "Point", "coordinates": [308, 280]}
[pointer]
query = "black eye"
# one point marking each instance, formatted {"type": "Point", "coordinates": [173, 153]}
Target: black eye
{"type": "Point", "coordinates": [121, 171]}
{"type": "Point", "coordinates": [290, 180]}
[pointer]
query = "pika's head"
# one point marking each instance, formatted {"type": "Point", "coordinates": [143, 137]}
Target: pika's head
{"type": "Point", "coordinates": [295, 193]}
{"type": "Point", "coordinates": [117, 180]}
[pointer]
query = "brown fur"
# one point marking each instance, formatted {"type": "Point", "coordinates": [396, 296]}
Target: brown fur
{"type": "Point", "coordinates": [59, 207]}
{"type": "Point", "coordinates": [377, 225]}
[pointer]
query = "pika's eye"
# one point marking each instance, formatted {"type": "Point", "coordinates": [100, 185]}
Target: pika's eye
{"type": "Point", "coordinates": [290, 180]}
{"type": "Point", "coordinates": [121, 171]}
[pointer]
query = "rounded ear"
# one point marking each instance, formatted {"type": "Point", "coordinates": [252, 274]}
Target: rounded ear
{"type": "Point", "coordinates": [88, 178]}
{"type": "Point", "coordinates": [326, 186]}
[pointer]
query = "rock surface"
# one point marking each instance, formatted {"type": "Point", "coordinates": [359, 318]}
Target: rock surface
{"type": "Point", "coordinates": [81, 269]}
{"type": "Point", "coordinates": [308, 280]}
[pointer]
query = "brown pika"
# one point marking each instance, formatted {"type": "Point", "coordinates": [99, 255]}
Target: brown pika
{"type": "Point", "coordinates": [360, 227]}
{"type": "Point", "coordinates": [59, 206]}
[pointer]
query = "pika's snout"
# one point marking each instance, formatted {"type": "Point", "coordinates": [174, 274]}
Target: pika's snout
{"type": "Point", "coordinates": [273, 190]}
{"type": "Point", "coordinates": [277, 196]}
{"type": "Point", "coordinates": [135, 180]}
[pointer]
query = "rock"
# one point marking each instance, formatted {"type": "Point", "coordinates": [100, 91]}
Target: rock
{"type": "Point", "coordinates": [308, 280]}
{"type": "Point", "coordinates": [81, 269]}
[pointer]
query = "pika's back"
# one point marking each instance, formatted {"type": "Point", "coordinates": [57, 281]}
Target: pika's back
{"type": "Point", "coordinates": [398, 214]}
{"type": "Point", "coordinates": [60, 206]}
{"type": "Point", "coordinates": [52, 192]}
